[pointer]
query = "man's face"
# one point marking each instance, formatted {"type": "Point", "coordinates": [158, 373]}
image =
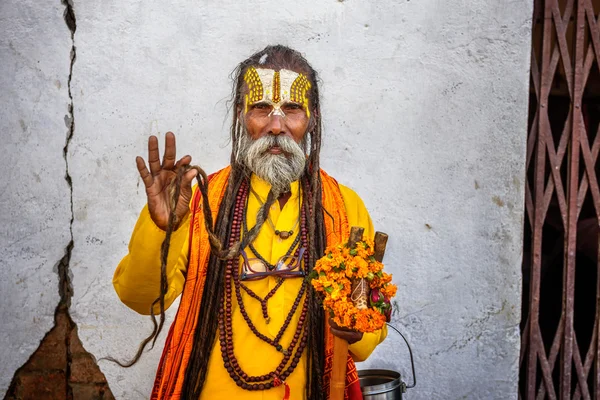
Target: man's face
{"type": "Point", "coordinates": [276, 117]}
{"type": "Point", "coordinates": [276, 103]}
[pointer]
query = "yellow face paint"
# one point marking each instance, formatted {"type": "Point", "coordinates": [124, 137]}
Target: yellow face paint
{"type": "Point", "coordinates": [276, 88]}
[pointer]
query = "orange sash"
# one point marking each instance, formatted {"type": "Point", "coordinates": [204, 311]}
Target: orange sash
{"type": "Point", "coordinates": [178, 346]}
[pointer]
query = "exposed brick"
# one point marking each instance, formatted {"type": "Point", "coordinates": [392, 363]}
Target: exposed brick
{"type": "Point", "coordinates": [44, 375]}
{"type": "Point", "coordinates": [51, 354]}
{"type": "Point", "coordinates": [107, 393]}
{"type": "Point", "coordinates": [39, 386]}
{"type": "Point", "coordinates": [85, 370]}
{"type": "Point", "coordinates": [84, 391]}
{"type": "Point", "coordinates": [76, 347]}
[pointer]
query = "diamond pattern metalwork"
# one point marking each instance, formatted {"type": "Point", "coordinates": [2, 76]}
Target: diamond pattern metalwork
{"type": "Point", "coordinates": [561, 166]}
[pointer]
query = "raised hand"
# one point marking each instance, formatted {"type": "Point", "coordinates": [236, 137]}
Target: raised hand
{"type": "Point", "coordinates": [159, 177]}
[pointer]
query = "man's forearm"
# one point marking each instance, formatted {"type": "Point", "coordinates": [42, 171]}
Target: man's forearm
{"type": "Point", "coordinates": [137, 278]}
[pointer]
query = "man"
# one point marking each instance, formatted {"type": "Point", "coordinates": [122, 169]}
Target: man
{"type": "Point", "coordinates": [249, 324]}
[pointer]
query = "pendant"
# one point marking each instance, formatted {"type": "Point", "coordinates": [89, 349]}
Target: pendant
{"type": "Point", "coordinates": [284, 234]}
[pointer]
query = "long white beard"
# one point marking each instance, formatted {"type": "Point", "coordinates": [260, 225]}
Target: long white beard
{"type": "Point", "coordinates": [280, 170]}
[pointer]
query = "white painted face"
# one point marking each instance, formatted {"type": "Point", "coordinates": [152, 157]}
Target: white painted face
{"type": "Point", "coordinates": [276, 88]}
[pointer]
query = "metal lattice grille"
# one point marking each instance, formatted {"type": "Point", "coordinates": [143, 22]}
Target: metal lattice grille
{"type": "Point", "coordinates": [560, 352]}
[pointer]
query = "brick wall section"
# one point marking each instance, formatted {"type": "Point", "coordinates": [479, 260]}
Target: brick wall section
{"type": "Point", "coordinates": [60, 368]}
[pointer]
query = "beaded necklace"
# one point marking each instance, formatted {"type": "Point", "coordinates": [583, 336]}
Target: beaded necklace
{"type": "Point", "coordinates": [263, 302]}
{"type": "Point", "coordinates": [300, 339]}
{"type": "Point", "coordinates": [282, 234]}
{"type": "Point", "coordinates": [251, 246]}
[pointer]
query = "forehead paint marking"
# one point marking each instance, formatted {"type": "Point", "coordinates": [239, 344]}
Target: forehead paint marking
{"type": "Point", "coordinates": [299, 90]}
{"type": "Point", "coordinates": [276, 88]}
{"type": "Point", "coordinates": [255, 87]}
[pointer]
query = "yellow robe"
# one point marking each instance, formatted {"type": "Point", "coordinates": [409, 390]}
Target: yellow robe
{"type": "Point", "coordinates": [137, 280]}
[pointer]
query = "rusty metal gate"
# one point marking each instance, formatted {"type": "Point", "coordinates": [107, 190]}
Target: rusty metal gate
{"type": "Point", "coordinates": [560, 351]}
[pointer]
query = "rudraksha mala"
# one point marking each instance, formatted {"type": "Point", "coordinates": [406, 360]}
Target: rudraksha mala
{"type": "Point", "coordinates": [300, 339]}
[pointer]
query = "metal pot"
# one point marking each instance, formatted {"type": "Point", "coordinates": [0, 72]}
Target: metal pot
{"type": "Point", "coordinates": [383, 384]}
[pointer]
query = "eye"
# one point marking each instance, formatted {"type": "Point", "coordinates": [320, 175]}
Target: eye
{"type": "Point", "coordinates": [292, 106]}
{"type": "Point", "coordinates": [260, 106]}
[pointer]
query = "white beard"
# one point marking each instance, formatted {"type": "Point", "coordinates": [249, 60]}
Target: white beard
{"type": "Point", "coordinates": [280, 170]}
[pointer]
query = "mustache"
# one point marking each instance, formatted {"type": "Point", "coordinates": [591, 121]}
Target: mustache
{"type": "Point", "coordinates": [286, 144]}
{"type": "Point", "coordinates": [277, 169]}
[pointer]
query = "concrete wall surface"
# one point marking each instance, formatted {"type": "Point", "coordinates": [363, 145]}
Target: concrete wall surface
{"type": "Point", "coordinates": [35, 201]}
{"type": "Point", "coordinates": [425, 116]}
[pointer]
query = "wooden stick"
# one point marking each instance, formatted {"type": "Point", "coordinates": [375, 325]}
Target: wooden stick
{"type": "Point", "coordinates": [380, 244]}
{"type": "Point", "coordinates": [340, 346]}
{"type": "Point", "coordinates": [338, 371]}
{"type": "Point", "coordinates": [356, 234]}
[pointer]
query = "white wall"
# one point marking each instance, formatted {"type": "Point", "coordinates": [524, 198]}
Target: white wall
{"type": "Point", "coordinates": [35, 203]}
{"type": "Point", "coordinates": [424, 105]}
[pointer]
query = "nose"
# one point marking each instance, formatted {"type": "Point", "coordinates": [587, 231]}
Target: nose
{"type": "Point", "coordinates": [276, 126]}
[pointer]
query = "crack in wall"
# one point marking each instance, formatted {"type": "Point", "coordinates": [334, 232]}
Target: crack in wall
{"type": "Point", "coordinates": [65, 287]}
{"type": "Point", "coordinates": [69, 16]}
{"type": "Point", "coordinates": [51, 365]}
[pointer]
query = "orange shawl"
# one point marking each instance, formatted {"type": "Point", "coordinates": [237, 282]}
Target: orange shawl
{"type": "Point", "coordinates": [178, 346]}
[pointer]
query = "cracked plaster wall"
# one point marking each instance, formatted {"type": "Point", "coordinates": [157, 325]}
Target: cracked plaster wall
{"type": "Point", "coordinates": [424, 106]}
{"type": "Point", "coordinates": [35, 47]}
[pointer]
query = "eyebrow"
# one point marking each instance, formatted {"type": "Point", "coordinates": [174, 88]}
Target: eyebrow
{"type": "Point", "coordinates": [261, 102]}
{"type": "Point", "coordinates": [292, 102]}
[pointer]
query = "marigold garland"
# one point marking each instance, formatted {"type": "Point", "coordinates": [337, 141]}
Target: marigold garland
{"type": "Point", "coordinates": [332, 276]}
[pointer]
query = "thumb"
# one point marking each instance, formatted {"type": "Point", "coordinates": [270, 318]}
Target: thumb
{"type": "Point", "coordinates": [186, 179]}
{"type": "Point", "coordinates": [186, 184]}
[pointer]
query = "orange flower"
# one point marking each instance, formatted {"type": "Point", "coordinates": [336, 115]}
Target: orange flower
{"type": "Point", "coordinates": [334, 274]}
{"type": "Point", "coordinates": [389, 291]}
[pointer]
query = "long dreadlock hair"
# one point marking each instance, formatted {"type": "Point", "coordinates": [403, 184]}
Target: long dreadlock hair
{"type": "Point", "coordinates": [273, 57]}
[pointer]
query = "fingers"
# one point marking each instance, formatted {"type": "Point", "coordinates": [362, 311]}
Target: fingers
{"type": "Point", "coordinates": [349, 336]}
{"type": "Point", "coordinates": [335, 326]}
{"type": "Point", "coordinates": [185, 160]}
{"type": "Point", "coordinates": [153, 156]}
{"type": "Point", "coordinates": [186, 185]}
{"type": "Point", "coordinates": [144, 173]}
{"type": "Point", "coordinates": [169, 157]}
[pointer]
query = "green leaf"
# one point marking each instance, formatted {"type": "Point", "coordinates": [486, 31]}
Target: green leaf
{"type": "Point", "coordinates": [312, 275]}
{"type": "Point", "coordinates": [329, 289]}
{"type": "Point", "coordinates": [353, 252]}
